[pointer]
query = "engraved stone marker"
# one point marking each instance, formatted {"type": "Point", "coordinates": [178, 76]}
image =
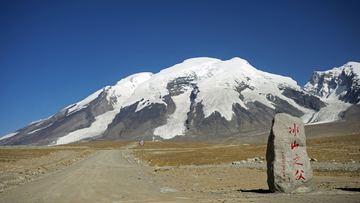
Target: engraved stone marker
{"type": "Point", "coordinates": [288, 165]}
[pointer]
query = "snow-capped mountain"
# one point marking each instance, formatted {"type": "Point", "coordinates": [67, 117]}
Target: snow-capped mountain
{"type": "Point", "coordinates": [201, 99]}
{"type": "Point", "coordinates": [339, 88]}
{"type": "Point", "coordinates": [342, 83]}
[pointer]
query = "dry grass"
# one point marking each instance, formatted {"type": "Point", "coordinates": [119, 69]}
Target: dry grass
{"type": "Point", "coordinates": [7, 155]}
{"type": "Point", "coordinates": [339, 148]}
{"type": "Point", "coordinates": [176, 154]}
{"type": "Point", "coordinates": [17, 153]}
{"type": "Point", "coordinates": [99, 145]}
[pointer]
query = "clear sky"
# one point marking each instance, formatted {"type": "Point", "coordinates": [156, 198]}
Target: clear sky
{"type": "Point", "coordinates": [56, 53]}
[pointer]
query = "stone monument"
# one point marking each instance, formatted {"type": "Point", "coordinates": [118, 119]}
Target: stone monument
{"type": "Point", "coordinates": [288, 165]}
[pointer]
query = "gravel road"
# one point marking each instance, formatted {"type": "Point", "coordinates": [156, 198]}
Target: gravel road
{"type": "Point", "coordinates": [105, 177]}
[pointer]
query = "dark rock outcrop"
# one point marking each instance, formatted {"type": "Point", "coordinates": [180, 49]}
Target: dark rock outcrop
{"type": "Point", "coordinates": [305, 100]}
{"type": "Point", "coordinates": [132, 125]}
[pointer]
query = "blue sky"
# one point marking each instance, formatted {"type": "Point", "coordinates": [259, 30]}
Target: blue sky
{"type": "Point", "coordinates": [56, 53]}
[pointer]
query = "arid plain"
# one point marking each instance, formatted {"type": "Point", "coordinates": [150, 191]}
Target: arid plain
{"type": "Point", "coordinates": [171, 172]}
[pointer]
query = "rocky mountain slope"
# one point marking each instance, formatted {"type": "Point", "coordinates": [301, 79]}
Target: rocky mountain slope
{"type": "Point", "coordinates": [342, 83]}
{"type": "Point", "coordinates": [201, 99]}
{"type": "Point", "coordinates": [339, 88]}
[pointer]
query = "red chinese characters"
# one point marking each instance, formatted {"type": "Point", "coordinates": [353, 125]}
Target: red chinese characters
{"type": "Point", "coordinates": [300, 175]}
{"type": "Point", "coordinates": [294, 130]}
{"type": "Point", "coordinates": [283, 163]}
{"type": "Point", "coordinates": [294, 145]}
{"type": "Point", "coordinates": [299, 172]}
{"type": "Point", "coordinates": [296, 159]}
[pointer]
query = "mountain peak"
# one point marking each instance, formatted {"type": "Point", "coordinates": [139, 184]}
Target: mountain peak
{"type": "Point", "coordinates": [352, 68]}
{"type": "Point", "coordinates": [338, 83]}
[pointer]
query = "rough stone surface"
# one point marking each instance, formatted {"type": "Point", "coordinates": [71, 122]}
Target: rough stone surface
{"type": "Point", "coordinates": [288, 164]}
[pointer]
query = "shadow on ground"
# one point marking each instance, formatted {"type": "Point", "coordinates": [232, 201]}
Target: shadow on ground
{"type": "Point", "coordinates": [260, 191]}
{"type": "Point", "coordinates": [349, 189]}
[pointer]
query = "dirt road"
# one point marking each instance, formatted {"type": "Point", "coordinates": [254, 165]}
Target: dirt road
{"type": "Point", "coordinates": [105, 177]}
{"type": "Point", "coordinates": [109, 177]}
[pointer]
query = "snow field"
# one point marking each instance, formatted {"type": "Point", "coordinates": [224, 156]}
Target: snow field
{"type": "Point", "coordinates": [9, 135]}
{"type": "Point", "coordinates": [175, 124]}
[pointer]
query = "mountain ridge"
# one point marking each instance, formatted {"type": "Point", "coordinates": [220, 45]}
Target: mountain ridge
{"type": "Point", "coordinates": [202, 97]}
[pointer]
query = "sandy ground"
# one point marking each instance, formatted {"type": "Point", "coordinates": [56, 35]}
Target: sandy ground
{"type": "Point", "coordinates": [108, 176]}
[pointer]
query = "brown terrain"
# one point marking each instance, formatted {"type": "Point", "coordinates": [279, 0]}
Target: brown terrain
{"type": "Point", "coordinates": [171, 172]}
